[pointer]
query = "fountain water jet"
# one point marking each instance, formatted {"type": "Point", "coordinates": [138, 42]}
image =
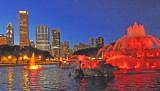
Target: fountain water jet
{"type": "Point", "coordinates": [32, 64]}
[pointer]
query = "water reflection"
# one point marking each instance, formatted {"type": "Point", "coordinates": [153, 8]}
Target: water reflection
{"type": "Point", "coordinates": [54, 78]}
{"type": "Point", "coordinates": [10, 79]}
{"type": "Point", "coordinates": [30, 79]}
{"type": "Point", "coordinates": [25, 80]}
{"type": "Point", "coordinates": [95, 83]}
{"type": "Point", "coordinates": [145, 80]}
{"type": "Point", "coordinates": [34, 79]}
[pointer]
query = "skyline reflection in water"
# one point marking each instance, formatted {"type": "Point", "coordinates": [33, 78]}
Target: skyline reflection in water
{"type": "Point", "coordinates": [54, 78]}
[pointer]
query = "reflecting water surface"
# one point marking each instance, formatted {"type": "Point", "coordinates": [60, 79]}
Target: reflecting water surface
{"type": "Point", "coordinates": [54, 78]}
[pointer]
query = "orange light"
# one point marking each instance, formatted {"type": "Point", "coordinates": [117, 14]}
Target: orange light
{"type": "Point", "coordinates": [9, 57]}
{"type": "Point", "coordinates": [40, 56]}
{"type": "Point", "coordinates": [24, 56]}
{"type": "Point", "coordinates": [34, 67]}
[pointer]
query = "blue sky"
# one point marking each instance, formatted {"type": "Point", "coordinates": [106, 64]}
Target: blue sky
{"type": "Point", "coordinates": [79, 20]}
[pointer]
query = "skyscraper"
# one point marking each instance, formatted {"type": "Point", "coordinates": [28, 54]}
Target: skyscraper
{"type": "Point", "coordinates": [80, 46]}
{"type": "Point", "coordinates": [10, 34]}
{"type": "Point", "coordinates": [91, 42]}
{"type": "Point", "coordinates": [70, 52]}
{"type": "Point", "coordinates": [61, 49]}
{"type": "Point", "coordinates": [55, 42]}
{"type": "Point", "coordinates": [99, 42]}
{"type": "Point", "coordinates": [66, 49]}
{"type": "Point", "coordinates": [42, 38]}
{"type": "Point", "coordinates": [75, 48]}
{"type": "Point", "coordinates": [3, 39]}
{"type": "Point", "coordinates": [23, 28]}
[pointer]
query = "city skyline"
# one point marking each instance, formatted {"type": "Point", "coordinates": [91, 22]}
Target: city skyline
{"type": "Point", "coordinates": [107, 19]}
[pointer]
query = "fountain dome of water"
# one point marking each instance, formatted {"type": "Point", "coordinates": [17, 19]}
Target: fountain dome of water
{"type": "Point", "coordinates": [136, 45]}
{"type": "Point", "coordinates": [136, 38]}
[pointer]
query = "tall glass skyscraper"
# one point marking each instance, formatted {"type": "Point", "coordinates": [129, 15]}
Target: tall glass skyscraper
{"type": "Point", "coordinates": [42, 38]}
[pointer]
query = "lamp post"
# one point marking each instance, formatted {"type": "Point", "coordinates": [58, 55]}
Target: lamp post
{"type": "Point", "coordinates": [25, 57]}
{"type": "Point", "coordinates": [40, 57]}
{"type": "Point", "coordinates": [9, 58]}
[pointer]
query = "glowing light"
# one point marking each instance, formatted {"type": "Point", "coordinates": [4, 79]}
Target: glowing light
{"type": "Point", "coordinates": [24, 56]}
{"type": "Point", "coordinates": [64, 62]}
{"type": "Point", "coordinates": [9, 57]}
{"type": "Point", "coordinates": [40, 57]}
{"type": "Point", "coordinates": [23, 12]}
{"type": "Point", "coordinates": [33, 67]}
{"type": "Point", "coordinates": [93, 58]}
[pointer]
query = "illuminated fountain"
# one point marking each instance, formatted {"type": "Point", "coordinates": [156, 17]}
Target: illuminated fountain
{"type": "Point", "coordinates": [134, 50]}
{"type": "Point", "coordinates": [87, 62]}
{"type": "Point", "coordinates": [86, 66]}
{"type": "Point", "coordinates": [32, 64]}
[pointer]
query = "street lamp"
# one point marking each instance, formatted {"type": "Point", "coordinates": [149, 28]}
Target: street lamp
{"type": "Point", "coordinates": [9, 57]}
{"type": "Point", "coordinates": [40, 57]}
{"type": "Point", "coordinates": [24, 56]}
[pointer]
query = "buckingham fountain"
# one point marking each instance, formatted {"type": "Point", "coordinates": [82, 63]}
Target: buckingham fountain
{"type": "Point", "coordinates": [136, 50]}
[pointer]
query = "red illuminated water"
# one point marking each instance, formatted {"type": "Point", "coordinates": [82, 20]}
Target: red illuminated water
{"type": "Point", "coordinates": [53, 78]}
{"type": "Point", "coordinates": [136, 50]}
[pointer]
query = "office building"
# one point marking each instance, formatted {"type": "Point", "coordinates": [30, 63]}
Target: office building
{"type": "Point", "coordinates": [66, 49]}
{"type": "Point", "coordinates": [70, 52]}
{"type": "Point", "coordinates": [10, 34]}
{"type": "Point", "coordinates": [3, 40]}
{"type": "Point", "coordinates": [61, 49]}
{"type": "Point", "coordinates": [42, 38]}
{"type": "Point", "coordinates": [80, 46]}
{"type": "Point", "coordinates": [91, 42]}
{"type": "Point", "coordinates": [99, 42]}
{"type": "Point", "coordinates": [75, 48]}
{"type": "Point", "coordinates": [23, 29]}
{"type": "Point", "coordinates": [32, 43]}
{"type": "Point", "coordinates": [55, 43]}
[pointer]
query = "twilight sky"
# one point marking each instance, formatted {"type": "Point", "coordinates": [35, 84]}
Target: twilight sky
{"type": "Point", "coordinates": [79, 20]}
